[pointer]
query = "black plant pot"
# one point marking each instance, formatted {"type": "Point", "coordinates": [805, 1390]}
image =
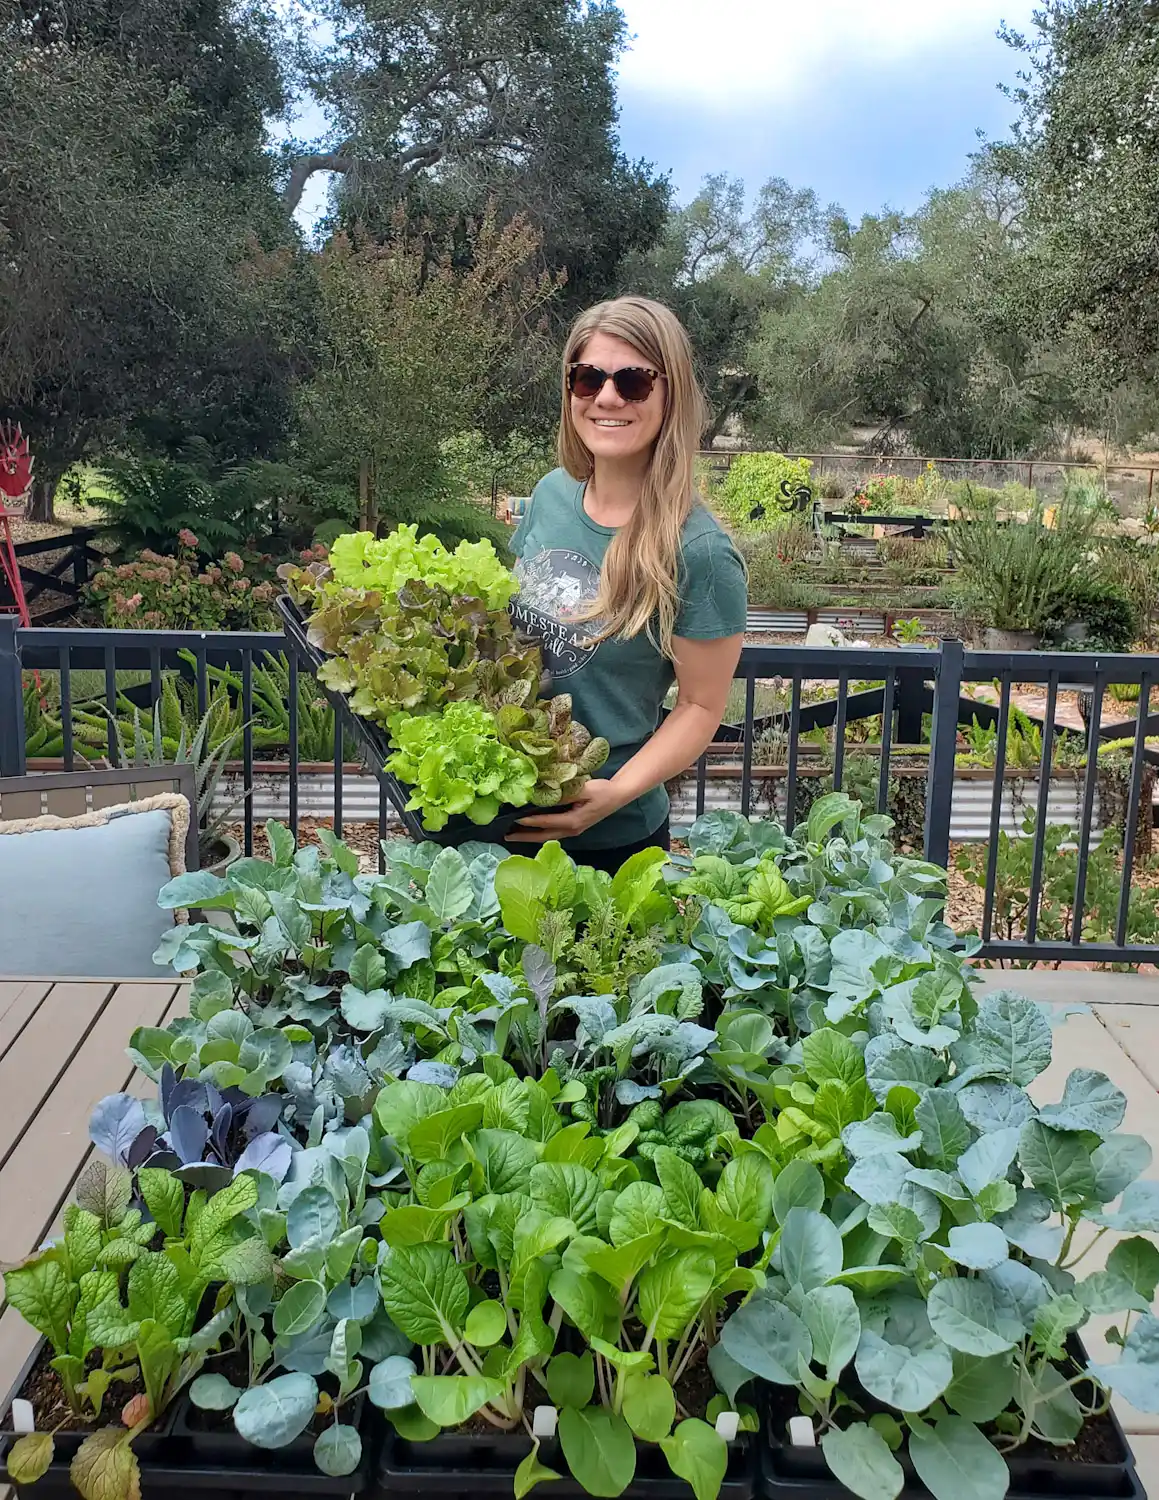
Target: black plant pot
{"type": "Point", "coordinates": [181, 1481]}
{"type": "Point", "coordinates": [224, 1448]}
{"type": "Point", "coordinates": [787, 1472]}
{"type": "Point", "coordinates": [177, 1461]}
{"type": "Point", "coordinates": [156, 1445]}
{"type": "Point", "coordinates": [153, 1445]}
{"type": "Point", "coordinates": [376, 749]}
{"type": "Point", "coordinates": [462, 1464]}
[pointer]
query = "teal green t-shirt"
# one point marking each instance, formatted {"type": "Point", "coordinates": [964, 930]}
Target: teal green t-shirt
{"type": "Point", "coordinates": [617, 686]}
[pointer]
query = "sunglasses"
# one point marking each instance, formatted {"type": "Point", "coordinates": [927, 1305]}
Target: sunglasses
{"type": "Point", "coordinates": [632, 382]}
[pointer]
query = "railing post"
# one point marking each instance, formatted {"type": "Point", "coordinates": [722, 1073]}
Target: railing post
{"type": "Point", "coordinates": [80, 564]}
{"type": "Point", "coordinates": [910, 705]}
{"type": "Point", "coordinates": [943, 745]}
{"type": "Point", "coordinates": [12, 761]}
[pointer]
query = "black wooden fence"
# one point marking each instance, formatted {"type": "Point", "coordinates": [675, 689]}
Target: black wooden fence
{"type": "Point", "coordinates": [66, 576]}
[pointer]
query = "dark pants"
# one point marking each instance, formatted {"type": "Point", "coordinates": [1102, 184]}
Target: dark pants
{"type": "Point", "coordinates": [611, 859]}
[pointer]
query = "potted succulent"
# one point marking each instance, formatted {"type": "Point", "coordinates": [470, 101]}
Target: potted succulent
{"type": "Point", "coordinates": [145, 744]}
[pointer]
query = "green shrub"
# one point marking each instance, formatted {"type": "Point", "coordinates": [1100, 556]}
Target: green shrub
{"type": "Point", "coordinates": [1134, 566]}
{"type": "Point", "coordinates": [878, 494]}
{"type": "Point", "coordinates": [913, 562]}
{"type": "Point", "coordinates": [1011, 498]}
{"type": "Point", "coordinates": [470, 463]}
{"type": "Point", "coordinates": [831, 485]}
{"type": "Point", "coordinates": [1019, 575]}
{"type": "Point", "coordinates": [775, 581]}
{"type": "Point", "coordinates": [158, 591]}
{"type": "Point", "coordinates": [1110, 618]}
{"type": "Point", "coordinates": [754, 480]}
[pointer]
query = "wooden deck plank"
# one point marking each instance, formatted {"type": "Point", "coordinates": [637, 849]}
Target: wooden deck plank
{"type": "Point", "coordinates": [42, 1053]}
{"type": "Point", "coordinates": [1083, 1041]}
{"type": "Point", "coordinates": [35, 1178]}
{"type": "Point", "coordinates": [1075, 986]}
{"type": "Point", "coordinates": [1136, 1029]}
{"type": "Point", "coordinates": [17, 1339]}
{"type": "Point", "coordinates": [17, 1002]}
{"type": "Point", "coordinates": [1146, 1450]}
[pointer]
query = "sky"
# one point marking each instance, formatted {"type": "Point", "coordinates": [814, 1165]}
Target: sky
{"type": "Point", "coordinates": [869, 102]}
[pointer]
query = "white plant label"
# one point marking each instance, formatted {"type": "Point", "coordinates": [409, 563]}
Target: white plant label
{"type": "Point", "coordinates": [544, 1422]}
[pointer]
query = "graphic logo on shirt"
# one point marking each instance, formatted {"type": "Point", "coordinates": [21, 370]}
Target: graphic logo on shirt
{"type": "Point", "coordinates": [554, 588]}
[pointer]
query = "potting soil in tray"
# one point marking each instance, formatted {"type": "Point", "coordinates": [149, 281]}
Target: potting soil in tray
{"type": "Point", "coordinates": [1099, 1464]}
{"type": "Point", "coordinates": [42, 1387]}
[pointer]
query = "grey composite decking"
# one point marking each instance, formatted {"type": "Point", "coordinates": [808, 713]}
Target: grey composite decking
{"type": "Point", "coordinates": [62, 1047]}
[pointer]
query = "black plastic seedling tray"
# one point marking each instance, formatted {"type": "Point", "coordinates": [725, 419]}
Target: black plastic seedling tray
{"type": "Point", "coordinates": [788, 1472]}
{"type": "Point", "coordinates": [484, 1464]}
{"type": "Point", "coordinates": [376, 748]}
{"type": "Point", "coordinates": [177, 1461]}
{"type": "Point", "coordinates": [224, 1448]}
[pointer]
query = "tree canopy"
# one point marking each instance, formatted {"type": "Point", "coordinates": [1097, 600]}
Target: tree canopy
{"type": "Point", "coordinates": [1085, 158]}
{"type": "Point", "coordinates": [158, 298]}
{"type": "Point", "coordinates": [138, 211]}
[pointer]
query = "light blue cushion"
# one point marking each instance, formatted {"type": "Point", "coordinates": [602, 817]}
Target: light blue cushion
{"type": "Point", "coordinates": [83, 901]}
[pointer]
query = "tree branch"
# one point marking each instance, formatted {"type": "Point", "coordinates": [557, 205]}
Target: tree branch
{"type": "Point", "coordinates": [303, 169]}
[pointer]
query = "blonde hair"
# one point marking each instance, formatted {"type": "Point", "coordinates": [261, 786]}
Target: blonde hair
{"type": "Point", "coordinates": [638, 581]}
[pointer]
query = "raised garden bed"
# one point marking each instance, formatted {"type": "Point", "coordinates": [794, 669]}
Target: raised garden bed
{"type": "Point", "coordinates": [868, 618]}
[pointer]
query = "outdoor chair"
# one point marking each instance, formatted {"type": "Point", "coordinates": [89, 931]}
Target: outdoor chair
{"type": "Point", "coordinates": [82, 858]}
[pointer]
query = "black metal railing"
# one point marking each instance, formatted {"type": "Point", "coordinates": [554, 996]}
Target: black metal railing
{"type": "Point", "coordinates": [915, 699]}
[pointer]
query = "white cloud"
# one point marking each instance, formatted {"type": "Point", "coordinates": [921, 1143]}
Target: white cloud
{"type": "Point", "coordinates": [726, 52]}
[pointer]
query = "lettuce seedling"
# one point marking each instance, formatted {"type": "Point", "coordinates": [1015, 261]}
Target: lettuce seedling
{"type": "Point", "coordinates": [141, 1321]}
{"type": "Point", "coordinates": [457, 765]}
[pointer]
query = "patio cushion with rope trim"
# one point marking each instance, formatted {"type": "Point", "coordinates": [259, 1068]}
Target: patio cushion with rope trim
{"type": "Point", "coordinates": [78, 896]}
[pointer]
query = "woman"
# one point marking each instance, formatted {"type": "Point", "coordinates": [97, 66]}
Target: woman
{"type": "Point", "coordinates": [626, 582]}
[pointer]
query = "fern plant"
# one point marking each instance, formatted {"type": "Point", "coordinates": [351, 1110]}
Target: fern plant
{"type": "Point", "coordinates": [155, 499]}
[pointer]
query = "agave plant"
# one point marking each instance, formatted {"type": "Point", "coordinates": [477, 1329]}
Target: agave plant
{"type": "Point", "coordinates": [147, 746]}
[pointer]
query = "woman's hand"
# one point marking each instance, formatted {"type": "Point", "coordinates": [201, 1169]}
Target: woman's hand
{"type": "Point", "coordinates": [596, 799]}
